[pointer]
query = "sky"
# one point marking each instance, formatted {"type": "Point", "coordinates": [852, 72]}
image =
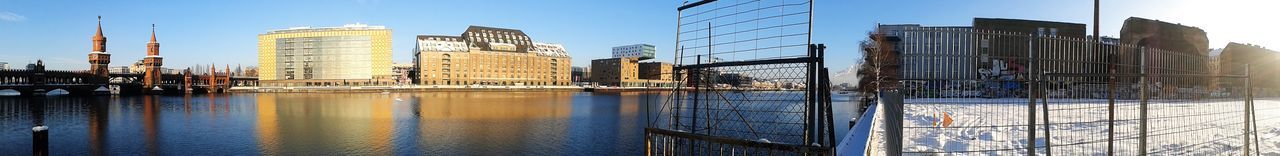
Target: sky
{"type": "Point", "coordinates": [225, 32]}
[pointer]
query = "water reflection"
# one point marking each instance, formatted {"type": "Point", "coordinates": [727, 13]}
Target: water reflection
{"type": "Point", "coordinates": [321, 124]}
{"type": "Point", "coordinates": [266, 123]}
{"type": "Point", "coordinates": [149, 113]}
{"type": "Point", "coordinates": [98, 123]}
{"type": "Point", "coordinates": [441, 123]}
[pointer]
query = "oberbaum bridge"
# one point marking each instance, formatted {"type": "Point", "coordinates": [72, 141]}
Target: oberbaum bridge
{"type": "Point", "coordinates": [98, 81]}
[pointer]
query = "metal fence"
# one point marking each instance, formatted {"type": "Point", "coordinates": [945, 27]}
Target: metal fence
{"type": "Point", "coordinates": [751, 83]}
{"type": "Point", "coordinates": [1037, 94]}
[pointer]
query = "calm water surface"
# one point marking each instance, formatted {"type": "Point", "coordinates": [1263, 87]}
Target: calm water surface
{"type": "Point", "coordinates": [435, 123]}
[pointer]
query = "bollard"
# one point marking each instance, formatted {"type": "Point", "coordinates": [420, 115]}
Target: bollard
{"type": "Point", "coordinates": [40, 140]}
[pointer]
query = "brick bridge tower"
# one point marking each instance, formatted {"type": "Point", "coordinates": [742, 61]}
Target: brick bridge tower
{"type": "Point", "coordinates": [213, 79]}
{"type": "Point", "coordinates": [99, 58]}
{"type": "Point", "coordinates": [186, 81]}
{"type": "Point", "coordinates": [153, 61]}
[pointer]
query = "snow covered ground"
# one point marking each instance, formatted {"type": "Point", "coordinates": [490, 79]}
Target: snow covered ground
{"type": "Point", "coordinates": [1080, 127]}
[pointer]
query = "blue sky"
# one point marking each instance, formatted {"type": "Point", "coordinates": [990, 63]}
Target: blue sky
{"type": "Point", "coordinates": [224, 32]}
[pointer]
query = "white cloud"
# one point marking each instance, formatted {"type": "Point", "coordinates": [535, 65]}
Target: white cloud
{"type": "Point", "coordinates": [10, 16]}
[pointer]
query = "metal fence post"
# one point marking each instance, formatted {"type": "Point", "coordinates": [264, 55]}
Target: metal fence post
{"type": "Point", "coordinates": [1142, 105]}
{"type": "Point", "coordinates": [1111, 110]}
{"type": "Point", "coordinates": [1248, 107]}
{"type": "Point", "coordinates": [1031, 98]}
{"type": "Point", "coordinates": [811, 97]}
{"type": "Point", "coordinates": [892, 100]}
{"type": "Point", "coordinates": [826, 100]}
{"type": "Point", "coordinates": [1252, 110]}
{"type": "Point", "coordinates": [1040, 92]}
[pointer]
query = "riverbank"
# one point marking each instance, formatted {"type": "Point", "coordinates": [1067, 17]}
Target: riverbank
{"type": "Point", "coordinates": [447, 88]}
{"type": "Point", "coordinates": [422, 88]}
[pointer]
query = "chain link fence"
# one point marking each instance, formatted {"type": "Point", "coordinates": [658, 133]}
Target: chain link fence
{"type": "Point", "coordinates": [982, 92]}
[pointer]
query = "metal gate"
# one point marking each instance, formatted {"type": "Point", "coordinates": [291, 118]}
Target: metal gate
{"type": "Point", "coordinates": [749, 82]}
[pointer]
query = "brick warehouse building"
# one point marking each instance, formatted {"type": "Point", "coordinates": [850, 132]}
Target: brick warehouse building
{"type": "Point", "coordinates": [490, 56]}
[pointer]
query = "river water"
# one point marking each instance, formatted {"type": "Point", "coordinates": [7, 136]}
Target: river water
{"type": "Point", "coordinates": [432, 123]}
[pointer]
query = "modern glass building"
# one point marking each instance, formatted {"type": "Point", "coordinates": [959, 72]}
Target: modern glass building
{"type": "Point", "coordinates": [351, 55]}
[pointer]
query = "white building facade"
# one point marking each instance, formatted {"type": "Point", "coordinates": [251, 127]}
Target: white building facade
{"type": "Point", "coordinates": [935, 52]}
{"type": "Point", "coordinates": [642, 51]}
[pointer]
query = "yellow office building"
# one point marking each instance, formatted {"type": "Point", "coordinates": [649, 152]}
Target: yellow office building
{"type": "Point", "coordinates": [351, 55]}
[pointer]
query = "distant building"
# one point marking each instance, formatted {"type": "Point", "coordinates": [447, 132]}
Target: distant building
{"type": "Point", "coordinates": [251, 72]}
{"type": "Point", "coordinates": [656, 71]}
{"type": "Point", "coordinates": [238, 71]}
{"type": "Point", "coordinates": [1007, 41]}
{"type": "Point", "coordinates": [791, 85]}
{"type": "Point", "coordinates": [4, 65]}
{"type": "Point", "coordinates": [764, 85]}
{"type": "Point", "coordinates": [354, 54]}
{"type": "Point", "coordinates": [137, 67]}
{"type": "Point", "coordinates": [941, 53]}
{"type": "Point", "coordinates": [140, 67]}
{"type": "Point", "coordinates": [490, 56]}
{"type": "Point", "coordinates": [736, 80]}
{"type": "Point", "coordinates": [119, 70]}
{"type": "Point", "coordinates": [641, 51]}
{"type": "Point", "coordinates": [1165, 36]}
{"type": "Point", "coordinates": [580, 74]}
{"type": "Point", "coordinates": [1108, 40]}
{"type": "Point", "coordinates": [1262, 65]}
{"type": "Point", "coordinates": [630, 72]}
{"type": "Point", "coordinates": [1178, 49]}
{"type": "Point", "coordinates": [1031, 27]}
{"type": "Point", "coordinates": [615, 71]}
{"type": "Point", "coordinates": [401, 73]}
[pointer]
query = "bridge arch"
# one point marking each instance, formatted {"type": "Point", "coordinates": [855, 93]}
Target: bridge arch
{"type": "Point", "coordinates": [10, 92]}
{"type": "Point", "coordinates": [58, 91]}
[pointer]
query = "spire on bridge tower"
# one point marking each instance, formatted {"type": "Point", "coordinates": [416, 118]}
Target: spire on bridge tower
{"type": "Point", "coordinates": [153, 47]}
{"type": "Point", "coordinates": [99, 41]}
{"type": "Point", "coordinates": [153, 33]}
